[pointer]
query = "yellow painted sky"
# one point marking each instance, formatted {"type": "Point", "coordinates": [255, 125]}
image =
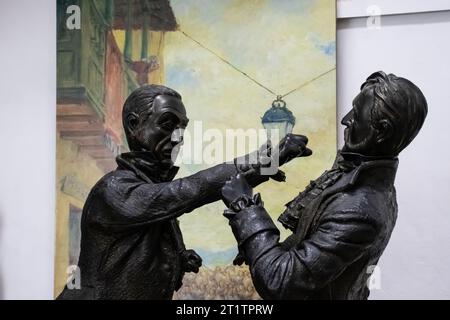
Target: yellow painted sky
{"type": "Point", "coordinates": [282, 44]}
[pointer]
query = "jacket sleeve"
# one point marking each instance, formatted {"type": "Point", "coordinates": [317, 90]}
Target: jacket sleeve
{"type": "Point", "coordinates": [127, 201]}
{"type": "Point", "coordinates": [340, 238]}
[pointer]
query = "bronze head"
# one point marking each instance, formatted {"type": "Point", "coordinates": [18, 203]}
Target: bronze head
{"type": "Point", "coordinates": [386, 116]}
{"type": "Point", "coordinates": [152, 117]}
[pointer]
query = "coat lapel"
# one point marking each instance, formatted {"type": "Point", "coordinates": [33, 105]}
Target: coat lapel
{"type": "Point", "coordinates": [347, 180]}
{"type": "Point", "coordinates": [310, 212]}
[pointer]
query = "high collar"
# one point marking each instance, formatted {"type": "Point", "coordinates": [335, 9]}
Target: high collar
{"type": "Point", "coordinates": [356, 164]}
{"type": "Point", "coordinates": [144, 164]}
{"type": "Point", "coordinates": [358, 158]}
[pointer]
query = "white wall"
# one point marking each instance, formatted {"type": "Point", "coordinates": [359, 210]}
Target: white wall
{"type": "Point", "coordinates": [362, 8]}
{"type": "Point", "coordinates": [415, 46]}
{"type": "Point", "coordinates": [27, 163]}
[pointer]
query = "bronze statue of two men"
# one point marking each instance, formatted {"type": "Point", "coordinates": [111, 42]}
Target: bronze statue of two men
{"type": "Point", "coordinates": [132, 246]}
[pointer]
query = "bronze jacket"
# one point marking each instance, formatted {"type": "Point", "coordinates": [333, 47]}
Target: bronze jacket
{"type": "Point", "coordinates": [131, 245]}
{"type": "Point", "coordinates": [341, 226]}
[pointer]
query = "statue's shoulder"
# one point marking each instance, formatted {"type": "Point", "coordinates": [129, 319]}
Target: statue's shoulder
{"type": "Point", "coordinates": [359, 204]}
{"type": "Point", "coordinates": [356, 199]}
{"type": "Point", "coordinates": [112, 182]}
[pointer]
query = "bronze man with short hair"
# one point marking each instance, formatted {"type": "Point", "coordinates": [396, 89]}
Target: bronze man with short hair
{"type": "Point", "coordinates": [343, 220]}
{"type": "Point", "coordinates": [131, 244]}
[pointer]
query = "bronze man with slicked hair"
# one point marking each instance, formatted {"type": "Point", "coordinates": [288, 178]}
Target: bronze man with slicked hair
{"type": "Point", "coordinates": [131, 244]}
{"type": "Point", "coordinates": [341, 222]}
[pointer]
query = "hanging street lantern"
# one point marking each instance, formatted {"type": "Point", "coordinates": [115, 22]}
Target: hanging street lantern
{"type": "Point", "coordinates": [278, 121]}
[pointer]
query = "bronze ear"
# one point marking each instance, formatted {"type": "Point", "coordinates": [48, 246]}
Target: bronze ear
{"type": "Point", "coordinates": [132, 121]}
{"type": "Point", "coordinates": [385, 130]}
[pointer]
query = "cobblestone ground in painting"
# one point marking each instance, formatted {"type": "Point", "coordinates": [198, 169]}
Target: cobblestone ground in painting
{"type": "Point", "coordinates": [223, 282]}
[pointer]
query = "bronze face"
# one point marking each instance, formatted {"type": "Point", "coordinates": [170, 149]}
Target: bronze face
{"type": "Point", "coordinates": [360, 135]}
{"type": "Point", "coordinates": [159, 129]}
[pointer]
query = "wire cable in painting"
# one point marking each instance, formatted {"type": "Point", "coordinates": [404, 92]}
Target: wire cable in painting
{"type": "Point", "coordinates": [250, 77]}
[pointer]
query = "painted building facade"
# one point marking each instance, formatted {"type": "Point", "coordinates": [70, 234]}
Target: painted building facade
{"type": "Point", "coordinates": [118, 47]}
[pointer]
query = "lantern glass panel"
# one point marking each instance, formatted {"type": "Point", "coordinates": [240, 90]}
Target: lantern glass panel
{"type": "Point", "coordinates": [277, 130]}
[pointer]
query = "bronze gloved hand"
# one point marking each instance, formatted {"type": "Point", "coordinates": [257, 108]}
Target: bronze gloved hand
{"type": "Point", "coordinates": [190, 261]}
{"type": "Point", "coordinates": [235, 189]}
{"type": "Point", "coordinates": [267, 160]}
{"type": "Point", "coordinates": [237, 195]}
{"type": "Point", "coordinates": [290, 147]}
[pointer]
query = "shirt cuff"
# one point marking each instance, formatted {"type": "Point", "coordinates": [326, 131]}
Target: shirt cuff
{"type": "Point", "coordinates": [250, 221]}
